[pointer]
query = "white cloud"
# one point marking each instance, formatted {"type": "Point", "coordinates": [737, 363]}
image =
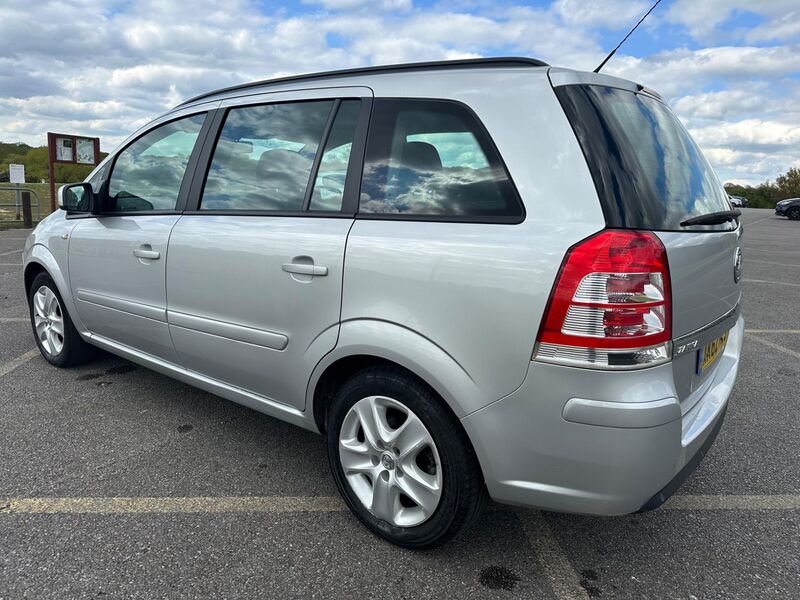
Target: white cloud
{"type": "Point", "coordinates": [749, 134]}
{"type": "Point", "coordinates": [353, 4]}
{"type": "Point", "coordinates": [107, 67]}
{"type": "Point", "coordinates": [675, 71]}
{"type": "Point", "coordinates": [604, 13]}
{"type": "Point", "coordinates": [703, 19]}
{"type": "Point", "coordinates": [783, 27]}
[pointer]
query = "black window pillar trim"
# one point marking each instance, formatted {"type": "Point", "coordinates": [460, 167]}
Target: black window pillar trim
{"type": "Point", "coordinates": [191, 167]}
{"type": "Point", "coordinates": [355, 165]}
{"type": "Point", "coordinates": [326, 132]}
{"type": "Point", "coordinates": [215, 120]}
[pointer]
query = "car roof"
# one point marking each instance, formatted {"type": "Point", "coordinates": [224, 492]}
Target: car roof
{"type": "Point", "coordinates": [328, 76]}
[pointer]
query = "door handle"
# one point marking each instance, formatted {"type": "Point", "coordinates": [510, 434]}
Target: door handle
{"type": "Point", "coordinates": [145, 251]}
{"type": "Point", "coordinates": [303, 269]}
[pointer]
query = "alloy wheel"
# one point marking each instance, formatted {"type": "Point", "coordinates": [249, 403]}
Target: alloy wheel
{"type": "Point", "coordinates": [390, 461]}
{"type": "Point", "coordinates": [48, 318]}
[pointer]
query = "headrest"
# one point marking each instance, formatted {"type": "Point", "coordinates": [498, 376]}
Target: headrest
{"type": "Point", "coordinates": [421, 156]}
{"type": "Point", "coordinates": [282, 161]}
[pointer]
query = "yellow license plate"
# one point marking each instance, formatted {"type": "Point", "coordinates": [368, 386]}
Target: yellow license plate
{"type": "Point", "coordinates": [710, 353]}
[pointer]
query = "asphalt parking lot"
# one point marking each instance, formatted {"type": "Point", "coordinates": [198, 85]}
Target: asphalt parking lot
{"type": "Point", "coordinates": [119, 482]}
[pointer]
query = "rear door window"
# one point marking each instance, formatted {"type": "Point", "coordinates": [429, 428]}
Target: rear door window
{"type": "Point", "coordinates": [264, 157]}
{"type": "Point", "coordinates": [432, 158]}
{"type": "Point", "coordinates": [648, 171]}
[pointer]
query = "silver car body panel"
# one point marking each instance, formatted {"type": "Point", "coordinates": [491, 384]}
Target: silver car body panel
{"type": "Point", "coordinates": [118, 295]}
{"type": "Point", "coordinates": [458, 304]}
{"type": "Point", "coordinates": [478, 291]}
{"type": "Point", "coordinates": [244, 320]}
{"type": "Point", "coordinates": [532, 455]}
{"type": "Point", "coordinates": [47, 246]}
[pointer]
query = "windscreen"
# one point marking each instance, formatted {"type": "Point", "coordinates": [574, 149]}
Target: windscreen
{"type": "Point", "coordinates": [648, 171]}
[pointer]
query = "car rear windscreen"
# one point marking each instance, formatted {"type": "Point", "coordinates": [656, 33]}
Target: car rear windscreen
{"type": "Point", "coordinates": [648, 171]}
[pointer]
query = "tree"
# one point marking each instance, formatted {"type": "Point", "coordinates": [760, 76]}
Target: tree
{"type": "Point", "coordinates": [767, 193]}
{"type": "Point", "coordinates": [36, 165]}
{"type": "Point", "coordinates": [789, 184]}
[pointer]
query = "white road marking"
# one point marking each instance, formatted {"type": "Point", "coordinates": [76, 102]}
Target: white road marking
{"type": "Point", "coordinates": [14, 320]}
{"type": "Point", "coordinates": [751, 249]}
{"type": "Point", "coordinates": [559, 572]}
{"type": "Point", "coordinates": [772, 330]}
{"type": "Point", "coordinates": [701, 502]}
{"type": "Point", "coordinates": [769, 262]}
{"type": "Point", "coordinates": [16, 362]}
{"type": "Point", "coordinates": [759, 221]}
{"type": "Point", "coordinates": [775, 346]}
{"type": "Point", "coordinates": [10, 252]}
{"type": "Point", "coordinates": [772, 282]}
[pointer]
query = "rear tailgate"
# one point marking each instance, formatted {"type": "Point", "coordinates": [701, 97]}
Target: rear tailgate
{"type": "Point", "coordinates": [650, 175]}
{"type": "Point", "coordinates": [705, 300]}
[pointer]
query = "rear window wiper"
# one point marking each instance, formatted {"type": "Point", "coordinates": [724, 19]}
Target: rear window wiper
{"type": "Point", "coordinates": [715, 218]}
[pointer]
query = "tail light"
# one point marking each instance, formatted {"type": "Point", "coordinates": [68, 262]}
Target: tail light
{"type": "Point", "coordinates": [610, 306]}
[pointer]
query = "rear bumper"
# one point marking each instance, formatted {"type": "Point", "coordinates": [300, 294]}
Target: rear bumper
{"type": "Point", "coordinates": [663, 494]}
{"type": "Point", "coordinates": [596, 442]}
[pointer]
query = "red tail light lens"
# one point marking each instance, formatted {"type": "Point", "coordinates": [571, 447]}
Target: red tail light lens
{"type": "Point", "coordinates": [610, 306]}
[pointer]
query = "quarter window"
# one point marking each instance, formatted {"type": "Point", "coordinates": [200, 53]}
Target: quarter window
{"type": "Point", "coordinates": [147, 175]}
{"type": "Point", "coordinates": [428, 157]}
{"type": "Point", "coordinates": [264, 157]}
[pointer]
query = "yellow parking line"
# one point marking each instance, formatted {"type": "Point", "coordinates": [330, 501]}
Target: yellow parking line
{"type": "Point", "coordinates": [765, 502]}
{"type": "Point", "coordinates": [201, 504]}
{"type": "Point", "coordinates": [561, 575]}
{"type": "Point", "coordinates": [533, 521]}
{"type": "Point", "coordinates": [16, 362]}
{"type": "Point", "coordinates": [774, 346]}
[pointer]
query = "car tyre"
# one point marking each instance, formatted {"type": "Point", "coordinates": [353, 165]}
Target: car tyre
{"type": "Point", "coordinates": [794, 213]}
{"type": "Point", "coordinates": [58, 340]}
{"type": "Point", "coordinates": [394, 411]}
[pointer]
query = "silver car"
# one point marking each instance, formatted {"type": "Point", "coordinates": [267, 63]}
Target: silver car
{"type": "Point", "coordinates": [478, 279]}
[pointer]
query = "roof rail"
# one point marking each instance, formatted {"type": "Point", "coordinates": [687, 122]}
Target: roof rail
{"type": "Point", "coordinates": [512, 61]}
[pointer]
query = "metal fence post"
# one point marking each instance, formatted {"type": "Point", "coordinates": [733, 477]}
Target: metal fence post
{"type": "Point", "coordinates": [27, 220]}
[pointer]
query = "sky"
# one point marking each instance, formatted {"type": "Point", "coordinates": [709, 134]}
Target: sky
{"type": "Point", "coordinates": [730, 69]}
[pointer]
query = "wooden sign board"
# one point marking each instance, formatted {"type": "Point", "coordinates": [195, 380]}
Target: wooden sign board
{"type": "Point", "coordinates": [70, 149]}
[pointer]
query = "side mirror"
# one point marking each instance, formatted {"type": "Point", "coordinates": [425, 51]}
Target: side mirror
{"type": "Point", "coordinates": [76, 198]}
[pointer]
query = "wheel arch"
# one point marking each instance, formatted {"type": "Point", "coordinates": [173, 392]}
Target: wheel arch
{"type": "Point", "coordinates": [32, 269]}
{"type": "Point", "coordinates": [41, 260]}
{"type": "Point", "coordinates": [366, 342]}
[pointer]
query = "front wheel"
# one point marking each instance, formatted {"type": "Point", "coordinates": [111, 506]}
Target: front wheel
{"type": "Point", "coordinates": [793, 213]}
{"type": "Point", "coordinates": [58, 340]}
{"type": "Point", "coordinates": [401, 460]}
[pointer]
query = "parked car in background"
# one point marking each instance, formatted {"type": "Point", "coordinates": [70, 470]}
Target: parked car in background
{"type": "Point", "coordinates": [738, 201]}
{"type": "Point", "coordinates": [789, 208]}
{"type": "Point", "coordinates": [530, 296]}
